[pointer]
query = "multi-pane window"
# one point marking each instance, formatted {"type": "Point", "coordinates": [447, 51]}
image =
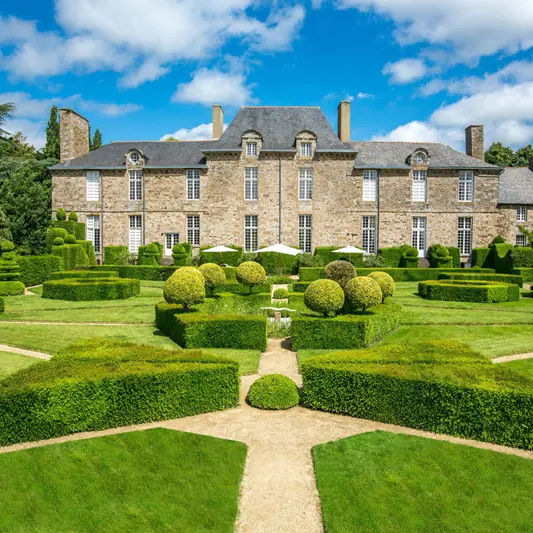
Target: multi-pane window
{"type": "Point", "coordinates": [419, 234]}
{"type": "Point", "coordinates": [305, 184]}
{"type": "Point", "coordinates": [464, 235]}
{"type": "Point", "coordinates": [466, 186]}
{"type": "Point", "coordinates": [251, 148]}
{"type": "Point", "coordinates": [521, 240]}
{"type": "Point", "coordinates": [193, 184]}
{"type": "Point", "coordinates": [521, 213]}
{"type": "Point", "coordinates": [93, 231]}
{"type": "Point", "coordinates": [193, 229]}
{"type": "Point", "coordinates": [93, 186]}
{"type": "Point", "coordinates": [171, 239]}
{"type": "Point", "coordinates": [136, 185]}
{"type": "Point", "coordinates": [306, 149]}
{"type": "Point", "coordinates": [420, 158]}
{"type": "Point", "coordinates": [305, 233]}
{"type": "Point", "coordinates": [369, 234]}
{"type": "Point", "coordinates": [419, 185]}
{"type": "Point", "coordinates": [135, 233]}
{"type": "Point", "coordinates": [370, 178]}
{"type": "Point", "coordinates": [135, 157]}
{"type": "Point", "coordinates": [251, 183]}
{"type": "Point", "coordinates": [251, 233]}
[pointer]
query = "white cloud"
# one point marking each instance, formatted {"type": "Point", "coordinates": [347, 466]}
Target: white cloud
{"type": "Point", "coordinates": [201, 132]}
{"type": "Point", "coordinates": [32, 130]}
{"type": "Point", "coordinates": [417, 131]}
{"type": "Point", "coordinates": [364, 95]}
{"type": "Point", "coordinates": [406, 70]}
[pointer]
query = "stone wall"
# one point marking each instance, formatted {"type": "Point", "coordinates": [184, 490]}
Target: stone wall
{"type": "Point", "coordinates": [74, 135]}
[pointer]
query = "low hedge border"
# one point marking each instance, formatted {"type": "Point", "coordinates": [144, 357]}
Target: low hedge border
{"type": "Point", "coordinates": [525, 273]}
{"type": "Point", "coordinates": [345, 331]}
{"type": "Point", "coordinates": [84, 274]}
{"type": "Point", "coordinates": [2, 305]}
{"type": "Point", "coordinates": [469, 291]}
{"type": "Point", "coordinates": [199, 330]}
{"type": "Point", "coordinates": [504, 278]}
{"type": "Point", "coordinates": [237, 288]}
{"type": "Point", "coordinates": [85, 289]}
{"type": "Point", "coordinates": [36, 269]}
{"type": "Point", "coordinates": [11, 288]}
{"type": "Point", "coordinates": [141, 272]}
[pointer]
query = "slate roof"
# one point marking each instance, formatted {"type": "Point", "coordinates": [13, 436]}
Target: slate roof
{"type": "Point", "coordinates": [516, 186]}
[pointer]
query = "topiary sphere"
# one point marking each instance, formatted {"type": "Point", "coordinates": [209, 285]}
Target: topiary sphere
{"type": "Point", "coordinates": [178, 249]}
{"type": "Point", "coordinates": [385, 282]}
{"type": "Point", "coordinates": [61, 214]}
{"type": "Point", "coordinates": [281, 293]}
{"type": "Point", "coordinates": [340, 271]}
{"type": "Point", "coordinates": [73, 216]}
{"type": "Point", "coordinates": [186, 287]}
{"type": "Point", "coordinates": [251, 273]}
{"type": "Point", "coordinates": [441, 251]}
{"type": "Point", "coordinates": [70, 239]}
{"type": "Point", "coordinates": [273, 391]}
{"type": "Point", "coordinates": [411, 252]}
{"type": "Point", "coordinates": [6, 246]}
{"type": "Point", "coordinates": [363, 292]}
{"type": "Point", "coordinates": [214, 275]}
{"type": "Point", "coordinates": [152, 248]}
{"type": "Point", "coordinates": [58, 241]}
{"type": "Point", "coordinates": [324, 296]}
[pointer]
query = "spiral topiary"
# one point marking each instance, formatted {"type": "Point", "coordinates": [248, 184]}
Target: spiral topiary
{"type": "Point", "coordinates": [58, 241]}
{"type": "Point", "coordinates": [340, 271]}
{"type": "Point", "coordinates": [273, 391]}
{"type": "Point", "coordinates": [186, 287]}
{"type": "Point", "coordinates": [324, 296]}
{"type": "Point", "coordinates": [61, 214]}
{"type": "Point", "coordinates": [73, 216]}
{"type": "Point", "coordinates": [214, 276]}
{"type": "Point", "coordinates": [281, 293]}
{"type": "Point", "coordinates": [363, 292]}
{"type": "Point", "coordinates": [385, 282]}
{"type": "Point", "coordinates": [250, 274]}
{"type": "Point", "coordinates": [70, 239]}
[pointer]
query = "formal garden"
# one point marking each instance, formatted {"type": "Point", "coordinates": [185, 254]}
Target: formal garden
{"type": "Point", "coordinates": [370, 340]}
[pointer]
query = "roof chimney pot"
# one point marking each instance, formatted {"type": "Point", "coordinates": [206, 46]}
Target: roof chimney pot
{"type": "Point", "coordinates": [475, 142]}
{"type": "Point", "coordinates": [343, 121]}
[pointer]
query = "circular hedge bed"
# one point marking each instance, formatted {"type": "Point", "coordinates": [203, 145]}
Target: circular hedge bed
{"type": "Point", "coordinates": [469, 291]}
{"type": "Point", "coordinates": [273, 392]}
{"type": "Point", "coordinates": [91, 289]}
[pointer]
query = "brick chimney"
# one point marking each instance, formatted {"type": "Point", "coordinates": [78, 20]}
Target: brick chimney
{"type": "Point", "coordinates": [218, 121]}
{"type": "Point", "coordinates": [73, 135]}
{"type": "Point", "coordinates": [343, 121]}
{"type": "Point", "coordinates": [475, 142]}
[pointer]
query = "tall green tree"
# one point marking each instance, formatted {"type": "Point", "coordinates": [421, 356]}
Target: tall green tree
{"type": "Point", "coordinates": [97, 140]}
{"type": "Point", "coordinates": [51, 148]}
{"type": "Point", "coordinates": [5, 232]}
{"type": "Point", "coordinates": [500, 155]}
{"type": "Point", "coordinates": [6, 112]}
{"type": "Point", "coordinates": [523, 156]}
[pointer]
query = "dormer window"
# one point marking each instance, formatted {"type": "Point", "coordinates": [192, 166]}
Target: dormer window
{"type": "Point", "coordinates": [419, 158]}
{"type": "Point", "coordinates": [306, 149]}
{"type": "Point", "coordinates": [135, 157]}
{"type": "Point", "coordinates": [251, 149]}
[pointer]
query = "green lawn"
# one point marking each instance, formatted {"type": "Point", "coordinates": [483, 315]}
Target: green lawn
{"type": "Point", "coordinates": [524, 366]}
{"type": "Point", "coordinates": [13, 362]}
{"type": "Point", "coordinates": [384, 482]}
{"type": "Point", "coordinates": [150, 481]}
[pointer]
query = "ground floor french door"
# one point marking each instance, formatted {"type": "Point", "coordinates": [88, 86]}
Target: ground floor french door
{"type": "Point", "coordinates": [419, 235]}
{"type": "Point", "coordinates": [171, 239]}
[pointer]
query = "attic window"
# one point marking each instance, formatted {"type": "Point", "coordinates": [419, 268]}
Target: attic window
{"type": "Point", "coordinates": [251, 148]}
{"type": "Point", "coordinates": [306, 149]}
{"type": "Point", "coordinates": [420, 158]}
{"type": "Point", "coordinates": [134, 157]}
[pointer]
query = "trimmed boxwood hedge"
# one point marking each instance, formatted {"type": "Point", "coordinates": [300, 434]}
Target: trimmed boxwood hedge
{"type": "Point", "coordinates": [345, 331]}
{"type": "Point", "coordinates": [2, 305]}
{"type": "Point", "coordinates": [228, 258]}
{"type": "Point", "coordinates": [116, 255]}
{"type": "Point", "coordinates": [141, 272]}
{"type": "Point", "coordinates": [481, 258]}
{"type": "Point", "coordinates": [35, 269]}
{"type": "Point", "coordinates": [525, 273]}
{"type": "Point", "coordinates": [74, 274]}
{"type": "Point", "coordinates": [478, 401]}
{"type": "Point", "coordinates": [84, 393]}
{"type": "Point", "coordinates": [501, 257]}
{"type": "Point", "coordinates": [327, 254]}
{"type": "Point", "coordinates": [237, 288]}
{"type": "Point", "coordinates": [505, 278]}
{"type": "Point", "coordinates": [273, 392]}
{"type": "Point", "coordinates": [91, 289]}
{"type": "Point", "coordinates": [9, 271]}
{"type": "Point", "coordinates": [11, 288]}
{"type": "Point", "coordinates": [199, 330]}
{"type": "Point", "coordinates": [311, 273]}
{"type": "Point", "coordinates": [469, 291]}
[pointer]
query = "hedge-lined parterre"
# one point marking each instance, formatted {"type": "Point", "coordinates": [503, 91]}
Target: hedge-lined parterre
{"type": "Point", "coordinates": [91, 289]}
{"type": "Point", "coordinates": [11, 288]}
{"type": "Point", "coordinates": [35, 269]}
{"type": "Point", "coordinates": [87, 274]}
{"type": "Point", "coordinates": [505, 278]}
{"type": "Point", "coordinates": [469, 291]}
{"type": "Point", "coordinates": [273, 392]}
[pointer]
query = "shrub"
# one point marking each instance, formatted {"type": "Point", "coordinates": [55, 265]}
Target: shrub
{"type": "Point", "coordinates": [362, 293]}
{"type": "Point", "coordinates": [375, 261]}
{"type": "Point", "coordinates": [237, 288]}
{"type": "Point", "coordinates": [324, 296]}
{"type": "Point", "coordinates": [505, 278]}
{"type": "Point", "coordinates": [310, 260]}
{"type": "Point", "coordinates": [35, 269]}
{"type": "Point", "coordinates": [72, 255]}
{"type": "Point", "coordinates": [278, 264]}
{"type": "Point", "coordinates": [250, 274]}
{"type": "Point", "coordinates": [2, 305]}
{"type": "Point", "coordinates": [522, 257]}
{"type": "Point", "coordinates": [525, 273]}
{"type": "Point", "coordinates": [455, 254]}
{"type": "Point", "coordinates": [279, 280]}
{"type": "Point", "coordinates": [226, 258]}
{"type": "Point", "coordinates": [185, 287]}
{"type": "Point", "coordinates": [69, 239]}
{"type": "Point", "coordinates": [498, 240]}
{"type": "Point", "coordinates": [58, 241]}
{"type": "Point", "coordinates": [149, 254]}
{"type": "Point", "coordinates": [61, 214]}
{"type": "Point", "coordinates": [439, 257]}
{"type": "Point", "coordinates": [73, 216]}
{"type": "Point", "coordinates": [340, 271]}
{"type": "Point", "coordinates": [405, 256]}
{"type": "Point", "coordinates": [87, 289]}
{"type": "Point", "coordinates": [52, 234]}
{"type": "Point", "coordinates": [11, 288]}
{"type": "Point", "coordinates": [469, 291]}
{"type": "Point", "coordinates": [481, 258]}
{"type": "Point", "coordinates": [274, 392]}
{"type": "Point", "coordinates": [410, 251]}
{"type": "Point", "coordinates": [417, 274]}
{"type": "Point", "coordinates": [501, 257]}
{"type": "Point", "coordinates": [9, 271]}
{"type": "Point", "coordinates": [80, 232]}
{"type": "Point", "coordinates": [392, 255]}
{"type": "Point", "coordinates": [89, 250]}
{"type": "Point", "coordinates": [142, 272]}
{"type": "Point", "coordinates": [214, 276]}
{"type": "Point", "coordinates": [327, 254]}
{"type": "Point", "coordinates": [75, 274]}
{"type": "Point", "coordinates": [311, 273]}
{"type": "Point", "coordinates": [281, 293]}
{"type": "Point", "coordinates": [385, 282]}
{"type": "Point", "coordinates": [116, 255]}
{"type": "Point", "coordinates": [179, 255]}
{"type": "Point", "coordinates": [6, 246]}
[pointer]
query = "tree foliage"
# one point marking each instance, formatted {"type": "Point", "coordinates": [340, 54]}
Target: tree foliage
{"type": "Point", "coordinates": [504, 156]}
{"type": "Point", "coordinates": [96, 140]}
{"type": "Point", "coordinates": [51, 148]}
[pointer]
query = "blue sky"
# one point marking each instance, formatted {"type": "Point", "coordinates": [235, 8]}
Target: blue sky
{"type": "Point", "coordinates": [141, 69]}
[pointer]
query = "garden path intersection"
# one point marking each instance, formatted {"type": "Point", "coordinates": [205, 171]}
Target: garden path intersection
{"type": "Point", "coordinates": [278, 491]}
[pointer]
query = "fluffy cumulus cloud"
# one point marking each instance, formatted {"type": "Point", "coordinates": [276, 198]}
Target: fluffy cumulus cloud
{"type": "Point", "coordinates": [202, 132]}
{"type": "Point", "coordinates": [406, 70]}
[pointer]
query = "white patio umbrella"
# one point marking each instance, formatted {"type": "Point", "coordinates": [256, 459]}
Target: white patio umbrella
{"type": "Point", "coordinates": [349, 250]}
{"type": "Point", "coordinates": [219, 250]}
{"type": "Point", "coordinates": [280, 249]}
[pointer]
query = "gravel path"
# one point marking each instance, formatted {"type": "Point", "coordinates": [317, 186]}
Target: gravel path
{"type": "Point", "coordinates": [516, 357]}
{"type": "Point", "coordinates": [40, 323]}
{"type": "Point", "coordinates": [21, 351]}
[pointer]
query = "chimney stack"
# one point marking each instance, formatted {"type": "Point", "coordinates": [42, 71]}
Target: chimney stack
{"type": "Point", "coordinates": [73, 135]}
{"type": "Point", "coordinates": [530, 165]}
{"type": "Point", "coordinates": [475, 142]}
{"type": "Point", "coordinates": [343, 121]}
{"type": "Point", "coordinates": [218, 121]}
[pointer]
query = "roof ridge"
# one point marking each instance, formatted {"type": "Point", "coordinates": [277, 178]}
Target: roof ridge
{"type": "Point", "coordinates": [152, 141]}
{"type": "Point", "coordinates": [284, 106]}
{"type": "Point", "coordinates": [399, 142]}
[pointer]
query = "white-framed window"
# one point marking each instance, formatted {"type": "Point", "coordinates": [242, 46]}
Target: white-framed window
{"type": "Point", "coordinates": [135, 233]}
{"type": "Point", "coordinates": [136, 185]}
{"type": "Point", "coordinates": [93, 231]}
{"type": "Point", "coordinates": [521, 213]}
{"type": "Point", "coordinates": [419, 235]}
{"type": "Point", "coordinates": [135, 157]}
{"type": "Point", "coordinates": [193, 229]}
{"type": "Point", "coordinates": [419, 185]}
{"type": "Point", "coordinates": [464, 235]}
{"type": "Point", "coordinates": [93, 186]}
{"type": "Point", "coordinates": [306, 149]}
{"type": "Point", "coordinates": [466, 186]}
{"type": "Point", "coordinates": [521, 240]}
{"type": "Point", "coordinates": [251, 183]}
{"type": "Point", "coordinates": [305, 184]}
{"type": "Point", "coordinates": [171, 239]}
{"type": "Point", "coordinates": [193, 184]}
{"type": "Point", "coordinates": [305, 233]}
{"type": "Point", "coordinates": [420, 158]}
{"type": "Point", "coordinates": [369, 234]}
{"type": "Point", "coordinates": [370, 178]}
{"type": "Point", "coordinates": [251, 233]}
{"type": "Point", "coordinates": [251, 148]}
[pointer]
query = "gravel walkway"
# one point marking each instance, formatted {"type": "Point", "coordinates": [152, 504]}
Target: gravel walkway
{"type": "Point", "coordinates": [21, 351]}
{"type": "Point", "coordinates": [516, 357]}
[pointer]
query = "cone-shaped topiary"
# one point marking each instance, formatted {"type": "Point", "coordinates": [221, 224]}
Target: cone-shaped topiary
{"type": "Point", "coordinates": [251, 273]}
{"type": "Point", "coordinates": [363, 292]}
{"type": "Point", "coordinates": [70, 239]}
{"type": "Point", "coordinates": [58, 241]}
{"type": "Point", "coordinates": [385, 282]}
{"type": "Point", "coordinates": [214, 276]}
{"type": "Point", "coordinates": [186, 287]}
{"type": "Point", "coordinates": [61, 214]}
{"type": "Point", "coordinates": [73, 216]}
{"type": "Point", "coordinates": [273, 391]}
{"type": "Point", "coordinates": [324, 296]}
{"type": "Point", "coordinates": [340, 271]}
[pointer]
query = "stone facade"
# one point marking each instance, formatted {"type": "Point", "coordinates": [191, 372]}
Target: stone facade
{"type": "Point", "coordinates": [74, 134]}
